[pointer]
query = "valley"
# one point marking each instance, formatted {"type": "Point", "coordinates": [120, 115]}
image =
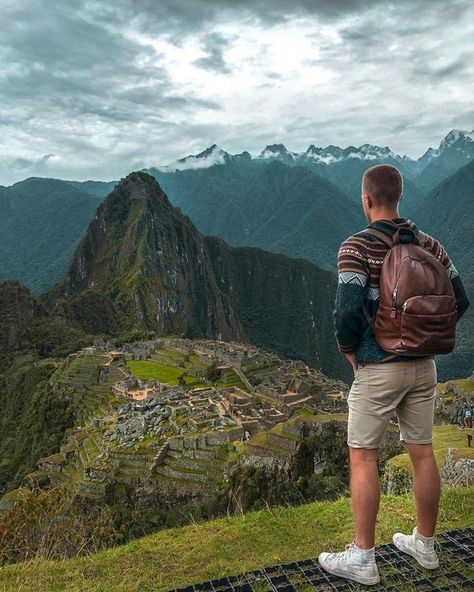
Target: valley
{"type": "Point", "coordinates": [168, 423]}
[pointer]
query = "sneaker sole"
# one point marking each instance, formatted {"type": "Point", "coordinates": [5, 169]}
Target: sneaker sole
{"type": "Point", "coordinates": [369, 581]}
{"type": "Point", "coordinates": [422, 562]}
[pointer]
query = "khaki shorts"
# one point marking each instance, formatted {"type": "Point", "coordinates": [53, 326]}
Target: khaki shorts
{"type": "Point", "coordinates": [406, 388]}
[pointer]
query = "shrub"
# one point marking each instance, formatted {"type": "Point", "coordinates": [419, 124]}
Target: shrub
{"type": "Point", "coordinates": [53, 524]}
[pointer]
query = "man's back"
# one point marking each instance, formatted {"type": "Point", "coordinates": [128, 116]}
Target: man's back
{"type": "Point", "coordinates": [360, 260]}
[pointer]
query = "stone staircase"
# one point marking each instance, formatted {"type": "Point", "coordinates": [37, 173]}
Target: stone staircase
{"type": "Point", "coordinates": [199, 461]}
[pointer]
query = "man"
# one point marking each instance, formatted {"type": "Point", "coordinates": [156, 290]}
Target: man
{"type": "Point", "coordinates": [467, 416]}
{"type": "Point", "coordinates": [384, 383]}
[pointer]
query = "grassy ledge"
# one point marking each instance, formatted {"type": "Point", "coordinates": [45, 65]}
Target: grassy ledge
{"type": "Point", "coordinates": [444, 438]}
{"type": "Point", "coordinates": [206, 550]}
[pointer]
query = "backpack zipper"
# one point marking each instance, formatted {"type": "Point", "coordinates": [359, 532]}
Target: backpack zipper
{"type": "Point", "coordinates": [408, 300]}
{"type": "Point", "coordinates": [393, 315]}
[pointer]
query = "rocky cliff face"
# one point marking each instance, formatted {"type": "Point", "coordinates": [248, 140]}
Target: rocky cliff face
{"type": "Point", "coordinates": [145, 266]}
{"type": "Point", "coordinates": [148, 261]}
{"type": "Point", "coordinates": [17, 309]}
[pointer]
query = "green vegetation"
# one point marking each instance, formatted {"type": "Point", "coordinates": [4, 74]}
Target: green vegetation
{"type": "Point", "coordinates": [444, 437]}
{"type": "Point", "coordinates": [33, 419]}
{"type": "Point", "coordinates": [466, 385]}
{"type": "Point", "coordinates": [148, 370]}
{"type": "Point", "coordinates": [226, 546]}
{"type": "Point", "coordinates": [212, 372]}
{"type": "Point", "coordinates": [52, 524]}
{"type": "Point", "coordinates": [59, 214]}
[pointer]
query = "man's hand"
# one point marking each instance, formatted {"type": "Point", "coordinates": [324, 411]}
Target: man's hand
{"type": "Point", "coordinates": [352, 360]}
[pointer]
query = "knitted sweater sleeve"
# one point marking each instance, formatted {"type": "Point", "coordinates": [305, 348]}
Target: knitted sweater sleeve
{"type": "Point", "coordinates": [353, 282]}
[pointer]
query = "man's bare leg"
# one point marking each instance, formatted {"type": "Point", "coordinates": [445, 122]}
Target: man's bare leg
{"type": "Point", "coordinates": [365, 494]}
{"type": "Point", "coordinates": [426, 486]}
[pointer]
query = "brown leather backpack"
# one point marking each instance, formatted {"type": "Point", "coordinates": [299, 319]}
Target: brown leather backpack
{"type": "Point", "coordinates": [417, 309]}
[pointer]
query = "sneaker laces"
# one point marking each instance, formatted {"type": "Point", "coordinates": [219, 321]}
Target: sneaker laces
{"type": "Point", "coordinates": [342, 555]}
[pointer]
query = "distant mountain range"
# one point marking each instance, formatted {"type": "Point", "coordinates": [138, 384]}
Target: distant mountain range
{"type": "Point", "coordinates": [456, 146]}
{"type": "Point", "coordinates": [344, 166]}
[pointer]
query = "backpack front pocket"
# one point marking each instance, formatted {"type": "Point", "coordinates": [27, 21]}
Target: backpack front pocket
{"type": "Point", "coordinates": [428, 324]}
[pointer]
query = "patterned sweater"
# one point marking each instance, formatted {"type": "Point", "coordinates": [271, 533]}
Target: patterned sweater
{"type": "Point", "coordinates": [360, 261]}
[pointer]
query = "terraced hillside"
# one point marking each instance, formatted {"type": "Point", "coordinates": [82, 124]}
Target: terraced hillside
{"type": "Point", "coordinates": [172, 415]}
{"type": "Point", "coordinates": [177, 416]}
{"type": "Point", "coordinates": [86, 380]}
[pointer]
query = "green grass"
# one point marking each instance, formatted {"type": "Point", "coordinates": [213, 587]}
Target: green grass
{"type": "Point", "coordinates": [466, 384]}
{"type": "Point", "coordinates": [444, 437]}
{"type": "Point", "coordinates": [148, 370]}
{"type": "Point", "coordinates": [304, 411]}
{"type": "Point", "coordinates": [230, 378]}
{"type": "Point", "coordinates": [226, 546]}
{"type": "Point", "coordinates": [323, 417]}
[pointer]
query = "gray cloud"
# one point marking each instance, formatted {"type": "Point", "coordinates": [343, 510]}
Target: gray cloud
{"type": "Point", "coordinates": [90, 88]}
{"type": "Point", "coordinates": [215, 44]}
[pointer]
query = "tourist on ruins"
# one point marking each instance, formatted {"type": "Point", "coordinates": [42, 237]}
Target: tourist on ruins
{"type": "Point", "coordinates": [467, 416]}
{"type": "Point", "coordinates": [390, 320]}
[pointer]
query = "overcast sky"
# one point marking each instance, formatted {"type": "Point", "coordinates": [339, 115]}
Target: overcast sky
{"type": "Point", "coordinates": [97, 88]}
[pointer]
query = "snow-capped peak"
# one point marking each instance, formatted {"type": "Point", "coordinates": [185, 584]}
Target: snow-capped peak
{"type": "Point", "coordinates": [332, 154]}
{"type": "Point", "coordinates": [278, 151]}
{"type": "Point", "coordinates": [375, 152]}
{"type": "Point", "coordinates": [453, 136]}
{"type": "Point", "coordinates": [207, 158]}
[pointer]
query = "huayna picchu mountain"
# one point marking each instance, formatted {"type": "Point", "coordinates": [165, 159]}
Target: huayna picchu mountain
{"type": "Point", "coordinates": [143, 265]}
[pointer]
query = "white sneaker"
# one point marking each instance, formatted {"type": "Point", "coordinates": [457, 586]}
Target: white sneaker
{"type": "Point", "coordinates": [353, 563]}
{"type": "Point", "coordinates": [421, 548]}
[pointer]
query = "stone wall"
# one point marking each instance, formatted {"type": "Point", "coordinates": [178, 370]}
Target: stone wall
{"type": "Point", "coordinates": [458, 473]}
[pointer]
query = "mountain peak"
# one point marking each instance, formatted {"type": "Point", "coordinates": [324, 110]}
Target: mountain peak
{"type": "Point", "coordinates": [205, 153]}
{"type": "Point", "coordinates": [453, 136]}
{"type": "Point", "coordinates": [279, 151]}
{"type": "Point", "coordinates": [137, 185]}
{"type": "Point", "coordinates": [138, 177]}
{"type": "Point", "coordinates": [461, 142]}
{"type": "Point", "coordinates": [207, 158]}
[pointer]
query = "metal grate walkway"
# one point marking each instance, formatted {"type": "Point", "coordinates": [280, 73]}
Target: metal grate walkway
{"type": "Point", "coordinates": [399, 573]}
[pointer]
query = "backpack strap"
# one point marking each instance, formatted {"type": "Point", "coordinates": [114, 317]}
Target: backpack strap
{"type": "Point", "coordinates": [384, 238]}
{"type": "Point", "coordinates": [402, 235]}
{"type": "Point", "coordinates": [405, 235]}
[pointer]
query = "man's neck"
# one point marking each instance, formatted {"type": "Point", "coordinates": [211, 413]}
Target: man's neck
{"type": "Point", "coordinates": [384, 215]}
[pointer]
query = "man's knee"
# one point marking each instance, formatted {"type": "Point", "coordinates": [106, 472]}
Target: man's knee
{"type": "Point", "coordinates": [362, 455]}
{"type": "Point", "coordinates": [419, 452]}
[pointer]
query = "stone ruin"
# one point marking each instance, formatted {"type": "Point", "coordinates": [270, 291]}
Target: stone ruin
{"type": "Point", "coordinates": [252, 414]}
{"type": "Point", "coordinates": [458, 473]}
